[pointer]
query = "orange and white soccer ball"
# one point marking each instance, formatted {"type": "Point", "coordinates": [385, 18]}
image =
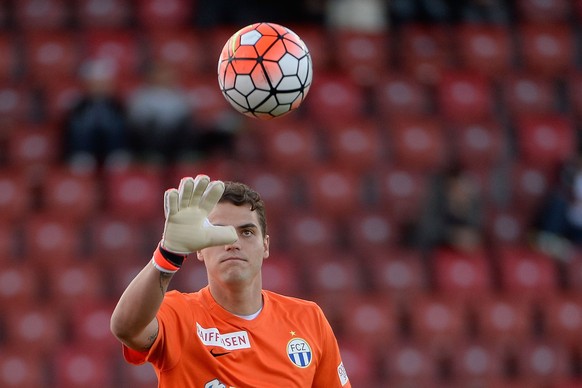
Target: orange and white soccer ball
{"type": "Point", "coordinates": [265, 70]}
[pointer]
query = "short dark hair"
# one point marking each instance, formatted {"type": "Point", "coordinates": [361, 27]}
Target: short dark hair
{"type": "Point", "coordinates": [240, 194]}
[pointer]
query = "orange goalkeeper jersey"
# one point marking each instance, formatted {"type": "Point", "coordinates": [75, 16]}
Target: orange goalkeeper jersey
{"type": "Point", "coordinates": [200, 344]}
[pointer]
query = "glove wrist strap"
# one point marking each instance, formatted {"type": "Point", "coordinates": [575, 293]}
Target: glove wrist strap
{"type": "Point", "coordinates": [166, 261]}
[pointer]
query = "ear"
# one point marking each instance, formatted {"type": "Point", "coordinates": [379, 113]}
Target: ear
{"type": "Point", "coordinates": [199, 256]}
{"type": "Point", "coordinates": [266, 242]}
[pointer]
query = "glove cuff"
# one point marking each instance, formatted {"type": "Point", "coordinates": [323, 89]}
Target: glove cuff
{"type": "Point", "coordinates": [166, 261]}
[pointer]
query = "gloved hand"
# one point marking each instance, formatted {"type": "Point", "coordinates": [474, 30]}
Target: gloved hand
{"type": "Point", "coordinates": [187, 228]}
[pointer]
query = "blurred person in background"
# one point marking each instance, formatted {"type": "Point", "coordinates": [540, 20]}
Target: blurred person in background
{"type": "Point", "coordinates": [160, 117]}
{"type": "Point", "coordinates": [453, 214]}
{"type": "Point", "coordinates": [559, 224]}
{"type": "Point", "coordinates": [96, 128]}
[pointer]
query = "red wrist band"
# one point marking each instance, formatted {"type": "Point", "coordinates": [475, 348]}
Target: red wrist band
{"type": "Point", "coordinates": [162, 263]}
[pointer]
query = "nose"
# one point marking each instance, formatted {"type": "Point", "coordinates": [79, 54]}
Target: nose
{"type": "Point", "coordinates": [234, 245]}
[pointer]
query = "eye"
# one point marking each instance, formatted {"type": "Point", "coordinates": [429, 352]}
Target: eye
{"type": "Point", "coordinates": [247, 232]}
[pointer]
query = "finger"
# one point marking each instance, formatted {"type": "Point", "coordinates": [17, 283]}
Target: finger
{"type": "Point", "coordinates": [212, 195]}
{"type": "Point", "coordinates": [185, 192]}
{"type": "Point", "coordinates": [170, 202]}
{"type": "Point", "coordinates": [200, 186]}
{"type": "Point", "coordinates": [221, 235]}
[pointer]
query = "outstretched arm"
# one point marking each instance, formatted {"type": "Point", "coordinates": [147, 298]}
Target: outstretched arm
{"type": "Point", "coordinates": [186, 230]}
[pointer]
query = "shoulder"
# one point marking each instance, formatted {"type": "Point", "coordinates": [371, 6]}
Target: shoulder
{"type": "Point", "coordinates": [292, 304]}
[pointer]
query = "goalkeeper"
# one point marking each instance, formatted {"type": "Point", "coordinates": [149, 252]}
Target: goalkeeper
{"type": "Point", "coordinates": [231, 333]}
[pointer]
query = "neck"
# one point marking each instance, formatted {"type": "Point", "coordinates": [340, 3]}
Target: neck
{"type": "Point", "coordinates": [237, 300]}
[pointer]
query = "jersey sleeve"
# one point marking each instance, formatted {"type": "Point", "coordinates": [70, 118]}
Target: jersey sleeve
{"type": "Point", "coordinates": [330, 371]}
{"type": "Point", "coordinates": [175, 323]}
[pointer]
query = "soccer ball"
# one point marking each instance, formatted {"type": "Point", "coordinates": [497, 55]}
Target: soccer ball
{"type": "Point", "coordinates": [264, 70]}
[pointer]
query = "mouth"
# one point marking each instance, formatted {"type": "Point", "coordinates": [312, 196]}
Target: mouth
{"type": "Point", "coordinates": [232, 259]}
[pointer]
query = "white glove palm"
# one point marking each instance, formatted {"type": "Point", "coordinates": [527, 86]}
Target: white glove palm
{"type": "Point", "coordinates": [187, 228]}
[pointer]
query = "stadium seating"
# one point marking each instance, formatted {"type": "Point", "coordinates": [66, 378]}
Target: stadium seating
{"type": "Point", "coordinates": [400, 94]}
{"type": "Point", "coordinates": [484, 48]}
{"type": "Point", "coordinates": [49, 55]}
{"type": "Point", "coordinates": [385, 112]}
{"type": "Point", "coordinates": [102, 14]}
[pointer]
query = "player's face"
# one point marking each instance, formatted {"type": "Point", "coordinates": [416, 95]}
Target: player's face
{"type": "Point", "coordinates": [240, 261]}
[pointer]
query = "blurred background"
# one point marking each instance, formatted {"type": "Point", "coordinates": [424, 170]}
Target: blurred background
{"type": "Point", "coordinates": [427, 194]}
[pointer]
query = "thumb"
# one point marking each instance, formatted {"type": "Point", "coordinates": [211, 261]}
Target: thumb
{"type": "Point", "coordinates": [221, 235]}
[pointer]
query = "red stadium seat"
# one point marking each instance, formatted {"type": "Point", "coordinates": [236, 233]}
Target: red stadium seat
{"type": "Point", "coordinates": [478, 360]}
{"type": "Point", "coordinates": [44, 14]}
{"type": "Point", "coordinates": [398, 272]}
{"type": "Point", "coordinates": [50, 55]}
{"type": "Point", "coordinates": [546, 140]}
{"type": "Point", "coordinates": [135, 192]}
{"type": "Point", "coordinates": [73, 282]}
{"type": "Point", "coordinates": [563, 318]}
{"type": "Point", "coordinates": [484, 48]}
{"type": "Point", "coordinates": [528, 93]}
{"type": "Point", "coordinates": [102, 14]}
{"type": "Point", "coordinates": [21, 368]}
{"type": "Point", "coordinates": [65, 191]}
{"type": "Point", "coordinates": [334, 97]}
{"type": "Point", "coordinates": [79, 366]}
{"type": "Point", "coordinates": [90, 325]}
{"type": "Point", "coordinates": [51, 239]}
{"type": "Point", "coordinates": [358, 362]}
{"type": "Point", "coordinates": [289, 146]}
{"type": "Point", "coordinates": [120, 47]}
{"type": "Point", "coordinates": [527, 272]}
{"type": "Point", "coordinates": [465, 97]}
{"type": "Point", "coordinates": [165, 13]}
{"type": "Point", "coordinates": [281, 274]}
{"type": "Point", "coordinates": [506, 227]}
{"type": "Point", "coordinates": [529, 187]}
{"type": "Point", "coordinates": [400, 95]}
{"type": "Point", "coordinates": [425, 51]}
{"type": "Point", "coordinates": [371, 231]}
{"type": "Point", "coordinates": [181, 48]}
{"type": "Point", "coordinates": [480, 145]}
{"type": "Point", "coordinates": [437, 322]}
{"type": "Point", "coordinates": [34, 327]}
{"type": "Point", "coordinates": [34, 147]}
{"type": "Point", "coordinates": [356, 146]}
{"type": "Point", "coordinates": [362, 55]}
{"type": "Point", "coordinates": [543, 361]}
{"type": "Point", "coordinates": [505, 320]}
{"type": "Point", "coordinates": [401, 192]}
{"type": "Point", "coordinates": [552, 11]}
{"type": "Point", "coordinates": [9, 58]}
{"type": "Point", "coordinates": [112, 237]}
{"type": "Point", "coordinates": [409, 365]}
{"type": "Point", "coordinates": [462, 275]}
{"type": "Point", "coordinates": [333, 191]}
{"type": "Point", "coordinates": [306, 231]}
{"type": "Point", "coordinates": [16, 194]}
{"type": "Point", "coordinates": [19, 284]}
{"type": "Point", "coordinates": [215, 169]}
{"type": "Point", "coordinates": [16, 101]}
{"type": "Point", "coordinates": [547, 49]}
{"type": "Point", "coordinates": [418, 143]}
{"type": "Point", "coordinates": [332, 275]}
{"type": "Point", "coordinates": [370, 320]}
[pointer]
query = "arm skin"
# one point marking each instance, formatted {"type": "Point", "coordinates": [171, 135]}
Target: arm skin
{"type": "Point", "coordinates": [134, 321]}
